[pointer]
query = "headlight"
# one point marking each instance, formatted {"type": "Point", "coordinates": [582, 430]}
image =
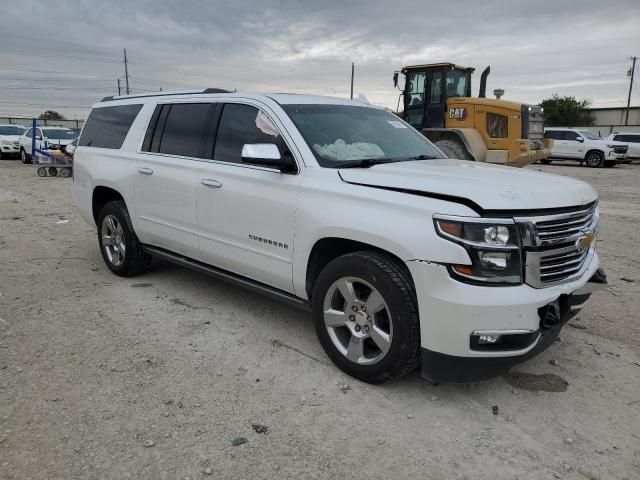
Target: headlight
{"type": "Point", "coordinates": [610, 146]}
{"type": "Point", "coordinates": [493, 247]}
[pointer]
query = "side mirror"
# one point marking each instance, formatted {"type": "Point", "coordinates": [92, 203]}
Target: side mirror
{"type": "Point", "coordinates": [395, 79]}
{"type": "Point", "coordinates": [580, 139]}
{"type": "Point", "coordinates": [267, 155]}
{"type": "Point", "coordinates": [39, 137]}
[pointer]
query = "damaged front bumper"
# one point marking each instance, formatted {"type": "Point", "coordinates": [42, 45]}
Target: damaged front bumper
{"type": "Point", "coordinates": [493, 352]}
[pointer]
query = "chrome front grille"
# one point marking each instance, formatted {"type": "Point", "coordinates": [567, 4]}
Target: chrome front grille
{"type": "Point", "coordinates": [16, 143]}
{"type": "Point", "coordinates": [557, 248]}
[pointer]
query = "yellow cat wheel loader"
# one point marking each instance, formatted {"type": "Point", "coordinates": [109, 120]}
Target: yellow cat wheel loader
{"type": "Point", "coordinates": [437, 101]}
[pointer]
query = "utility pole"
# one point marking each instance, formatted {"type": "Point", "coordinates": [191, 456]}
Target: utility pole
{"type": "Point", "coordinates": [119, 92]}
{"type": "Point", "coordinates": [633, 71]}
{"type": "Point", "coordinates": [352, 73]}
{"type": "Point", "coordinates": [126, 72]}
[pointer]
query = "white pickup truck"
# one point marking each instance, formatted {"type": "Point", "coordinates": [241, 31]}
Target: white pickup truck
{"type": "Point", "coordinates": [405, 258]}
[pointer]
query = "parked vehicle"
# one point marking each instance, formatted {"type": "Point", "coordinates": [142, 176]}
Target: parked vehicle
{"type": "Point", "coordinates": [10, 140]}
{"type": "Point", "coordinates": [405, 258]}
{"type": "Point", "coordinates": [437, 100]}
{"type": "Point", "coordinates": [52, 138]}
{"type": "Point", "coordinates": [632, 139]}
{"type": "Point", "coordinates": [584, 147]}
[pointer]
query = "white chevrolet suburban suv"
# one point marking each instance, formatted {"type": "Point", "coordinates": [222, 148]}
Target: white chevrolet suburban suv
{"type": "Point", "coordinates": [584, 146]}
{"type": "Point", "coordinates": [405, 258]}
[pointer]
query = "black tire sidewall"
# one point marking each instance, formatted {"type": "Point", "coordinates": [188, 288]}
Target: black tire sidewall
{"type": "Point", "coordinates": [399, 354]}
{"type": "Point", "coordinates": [119, 212]}
{"type": "Point", "coordinates": [600, 156]}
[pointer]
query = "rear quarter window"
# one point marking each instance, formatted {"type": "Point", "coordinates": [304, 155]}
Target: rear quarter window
{"type": "Point", "coordinates": [107, 127]}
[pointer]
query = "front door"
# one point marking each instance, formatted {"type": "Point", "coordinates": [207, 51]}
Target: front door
{"type": "Point", "coordinates": [246, 212]}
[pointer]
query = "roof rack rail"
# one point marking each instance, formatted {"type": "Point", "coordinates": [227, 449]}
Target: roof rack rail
{"type": "Point", "coordinates": [166, 94]}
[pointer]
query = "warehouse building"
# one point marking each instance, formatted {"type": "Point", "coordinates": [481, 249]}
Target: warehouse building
{"type": "Point", "coordinates": [612, 119]}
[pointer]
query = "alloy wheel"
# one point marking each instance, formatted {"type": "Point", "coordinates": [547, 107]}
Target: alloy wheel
{"type": "Point", "coordinates": [113, 241]}
{"type": "Point", "coordinates": [358, 320]}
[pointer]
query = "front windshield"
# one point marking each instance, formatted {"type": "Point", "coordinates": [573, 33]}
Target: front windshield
{"type": "Point", "coordinates": [341, 134]}
{"type": "Point", "coordinates": [59, 133]}
{"type": "Point", "coordinates": [11, 130]}
{"type": "Point", "coordinates": [589, 135]}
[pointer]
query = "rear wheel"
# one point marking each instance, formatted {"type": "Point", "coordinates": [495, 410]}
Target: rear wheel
{"type": "Point", "coordinates": [594, 159]}
{"type": "Point", "coordinates": [365, 314]}
{"type": "Point", "coordinates": [42, 172]}
{"type": "Point", "coordinates": [119, 245]}
{"type": "Point", "coordinates": [453, 149]}
{"type": "Point", "coordinates": [65, 172]}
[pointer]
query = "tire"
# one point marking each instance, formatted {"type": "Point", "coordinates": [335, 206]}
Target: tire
{"type": "Point", "coordinates": [42, 172]}
{"type": "Point", "coordinates": [387, 332]}
{"type": "Point", "coordinates": [545, 161]}
{"type": "Point", "coordinates": [24, 156]}
{"type": "Point", "coordinates": [53, 171]}
{"type": "Point", "coordinates": [594, 159]}
{"type": "Point", "coordinates": [130, 260]}
{"type": "Point", "coordinates": [454, 149]}
{"type": "Point", "coordinates": [65, 172]}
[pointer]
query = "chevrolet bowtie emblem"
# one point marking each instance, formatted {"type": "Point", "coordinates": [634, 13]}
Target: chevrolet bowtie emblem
{"type": "Point", "coordinates": [583, 243]}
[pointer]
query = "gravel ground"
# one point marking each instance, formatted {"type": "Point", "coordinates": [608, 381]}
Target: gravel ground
{"type": "Point", "coordinates": [157, 377]}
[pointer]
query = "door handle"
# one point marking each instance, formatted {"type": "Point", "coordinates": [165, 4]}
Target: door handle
{"type": "Point", "coordinates": [145, 171]}
{"type": "Point", "coordinates": [209, 182]}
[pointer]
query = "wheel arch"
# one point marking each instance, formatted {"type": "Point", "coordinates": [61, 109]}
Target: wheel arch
{"type": "Point", "coordinates": [100, 197]}
{"type": "Point", "coordinates": [601, 152]}
{"type": "Point", "coordinates": [327, 249]}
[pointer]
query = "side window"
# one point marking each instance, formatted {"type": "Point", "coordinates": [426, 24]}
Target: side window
{"type": "Point", "coordinates": [184, 128]}
{"type": "Point", "coordinates": [571, 136]}
{"type": "Point", "coordinates": [497, 126]}
{"type": "Point", "coordinates": [550, 134]}
{"type": "Point", "coordinates": [107, 127]}
{"type": "Point", "coordinates": [634, 138]}
{"type": "Point", "coordinates": [28, 134]}
{"type": "Point", "coordinates": [240, 124]}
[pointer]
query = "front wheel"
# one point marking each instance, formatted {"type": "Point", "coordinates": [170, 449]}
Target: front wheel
{"type": "Point", "coordinates": [594, 159]}
{"type": "Point", "coordinates": [365, 314]}
{"type": "Point", "coordinates": [24, 156]}
{"type": "Point", "coordinates": [119, 245]}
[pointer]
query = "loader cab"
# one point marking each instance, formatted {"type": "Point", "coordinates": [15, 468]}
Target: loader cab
{"type": "Point", "coordinates": [427, 88]}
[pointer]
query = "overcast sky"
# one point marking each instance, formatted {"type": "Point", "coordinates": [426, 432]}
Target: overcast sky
{"type": "Point", "coordinates": [67, 54]}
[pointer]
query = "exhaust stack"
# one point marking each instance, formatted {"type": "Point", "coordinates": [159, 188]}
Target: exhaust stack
{"type": "Point", "coordinates": [483, 82]}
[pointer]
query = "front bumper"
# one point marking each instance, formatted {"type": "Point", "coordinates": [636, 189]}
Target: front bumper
{"type": "Point", "coordinates": [10, 149]}
{"type": "Point", "coordinates": [454, 314]}
{"type": "Point", "coordinates": [618, 157]}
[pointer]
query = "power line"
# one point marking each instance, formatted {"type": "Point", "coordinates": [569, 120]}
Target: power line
{"type": "Point", "coordinates": [57, 55]}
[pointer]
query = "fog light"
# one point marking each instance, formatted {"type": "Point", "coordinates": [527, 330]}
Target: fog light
{"type": "Point", "coordinates": [488, 339]}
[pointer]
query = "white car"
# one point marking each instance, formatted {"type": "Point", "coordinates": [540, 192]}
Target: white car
{"type": "Point", "coordinates": [10, 140]}
{"type": "Point", "coordinates": [405, 258]}
{"type": "Point", "coordinates": [632, 139]}
{"type": "Point", "coordinates": [51, 138]}
{"type": "Point", "coordinates": [584, 147]}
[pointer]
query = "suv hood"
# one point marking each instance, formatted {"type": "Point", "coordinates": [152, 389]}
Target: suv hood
{"type": "Point", "coordinates": [13, 138]}
{"type": "Point", "coordinates": [491, 187]}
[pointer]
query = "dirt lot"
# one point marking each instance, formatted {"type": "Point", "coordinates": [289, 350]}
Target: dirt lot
{"type": "Point", "coordinates": [154, 377]}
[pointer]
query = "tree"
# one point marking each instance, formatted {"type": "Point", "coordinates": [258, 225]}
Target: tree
{"type": "Point", "coordinates": [51, 115]}
{"type": "Point", "coordinates": [567, 112]}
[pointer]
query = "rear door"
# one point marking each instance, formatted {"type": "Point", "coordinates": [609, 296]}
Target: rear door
{"type": "Point", "coordinates": [167, 174]}
{"type": "Point", "coordinates": [246, 212]}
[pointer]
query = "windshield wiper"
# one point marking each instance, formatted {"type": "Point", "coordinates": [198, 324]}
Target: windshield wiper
{"type": "Point", "coordinates": [365, 162]}
{"type": "Point", "coordinates": [423, 157]}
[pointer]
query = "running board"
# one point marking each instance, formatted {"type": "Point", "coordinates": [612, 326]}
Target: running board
{"type": "Point", "coordinates": [228, 276]}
